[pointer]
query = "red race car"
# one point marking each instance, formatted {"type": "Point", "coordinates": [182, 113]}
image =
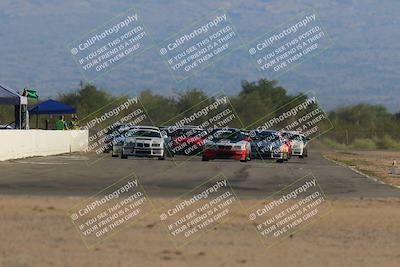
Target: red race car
{"type": "Point", "coordinates": [227, 143]}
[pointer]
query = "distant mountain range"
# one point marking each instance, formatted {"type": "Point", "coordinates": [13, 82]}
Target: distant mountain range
{"type": "Point", "coordinates": [362, 65]}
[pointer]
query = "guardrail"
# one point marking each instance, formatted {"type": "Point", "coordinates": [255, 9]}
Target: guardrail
{"type": "Point", "coordinates": [16, 144]}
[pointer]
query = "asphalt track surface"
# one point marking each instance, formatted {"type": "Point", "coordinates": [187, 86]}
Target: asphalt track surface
{"type": "Point", "coordinates": [86, 174]}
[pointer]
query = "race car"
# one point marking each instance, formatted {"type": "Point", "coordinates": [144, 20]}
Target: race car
{"type": "Point", "coordinates": [298, 143]}
{"type": "Point", "coordinates": [227, 143]}
{"type": "Point", "coordinates": [144, 141]}
{"type": "Point", "coordinates": [120, 136]}
{"type": "Point", "coordinates": [111, 133]}
{"type": "Point", "coordinates": [269, 144]}
{"type": "Point", "coordinates": [118, 141]}
{"type": "Point", "coordinates": [187, 140]}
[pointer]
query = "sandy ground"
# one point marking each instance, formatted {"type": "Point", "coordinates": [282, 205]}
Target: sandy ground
{"type": "Point", "coordinates": [36, 231]}
{"type": "Point", "coordinates": [374, 163]}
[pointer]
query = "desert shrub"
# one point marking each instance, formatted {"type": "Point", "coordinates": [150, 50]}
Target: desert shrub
{"type": "Point", "coordinates": [364, 143]}
{"type": "Point", "coordinates": [330, 143]}
{"type": "Point", "coordinates": [387, 142]}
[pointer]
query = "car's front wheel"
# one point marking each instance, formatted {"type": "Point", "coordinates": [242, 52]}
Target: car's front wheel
{"type": "Point", "coordinates": [162, 157]}
{"type": "Point", "coordinates": [123, 156]}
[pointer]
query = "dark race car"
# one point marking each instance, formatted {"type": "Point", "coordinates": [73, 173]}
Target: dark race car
{"type": "Point", "coordinates": [112, 133]}
{"type": "Point", "coordinates": [185, 140]}
{"type": "Point", "coordinates": [268, 144]}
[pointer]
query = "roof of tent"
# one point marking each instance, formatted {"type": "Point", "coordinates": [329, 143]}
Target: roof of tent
{"type": "Point", "coordinates": [10, 97]}
{"type": "Point", "coordinates": [51, 107]}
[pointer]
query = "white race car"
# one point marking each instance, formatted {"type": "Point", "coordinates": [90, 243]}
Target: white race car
{"type": "Point", "coordinates": [298, 143]}
{"type": "Point", "coordinates": [120, 135]}
{"type": "Point", "coordinates": [144, 141]}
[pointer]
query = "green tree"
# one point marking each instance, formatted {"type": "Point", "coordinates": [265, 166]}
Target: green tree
{"type": "Point", "coordinates": [159, 108]}
{"type": "Point", "coordinates": [87, 99]}
{"type": "Point", "coordinates": [259, 99]}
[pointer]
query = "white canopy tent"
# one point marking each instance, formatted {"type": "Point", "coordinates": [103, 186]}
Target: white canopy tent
{"type": "Point", "coordinates": [11, 97]}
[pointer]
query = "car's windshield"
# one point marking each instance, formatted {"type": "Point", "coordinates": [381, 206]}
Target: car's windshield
{"type": "Point", "coordinates": [146, 133]}
{"type": "Point", "coordinates": [186, 133]}
{"type": "Point", "coordinates": [128, 133]}
{"type": "Point", "coordinates": [291, 136]}
{"type": "Point", "coordinates": [176, 133]}
{"type": "Point", "coordinates": [266, 136]}
{"type": "Point", "coordinates": [231, 135]}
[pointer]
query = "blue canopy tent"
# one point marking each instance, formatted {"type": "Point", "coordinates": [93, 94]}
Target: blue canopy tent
{"type": "Point", "coordinates": [51, 107]}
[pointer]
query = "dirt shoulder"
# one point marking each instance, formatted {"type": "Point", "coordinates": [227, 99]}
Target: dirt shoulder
{"type": "Point", "coordinates": [36, 231]}
{"type": "Point", "coordinates": [377, 164]}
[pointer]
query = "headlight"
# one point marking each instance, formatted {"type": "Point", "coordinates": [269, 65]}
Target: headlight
{"type": "Point", "coordinates": [238, 147]}
{"type": "Point", "coordinates": [156, 144]}
{"type": "Point", "coordinates": [284, 148]}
